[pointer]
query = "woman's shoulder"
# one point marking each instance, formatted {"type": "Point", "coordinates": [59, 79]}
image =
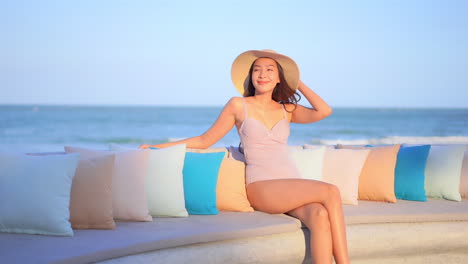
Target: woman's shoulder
{"type": "Point", "coordinates": [235, 101]}
{"type": "Point", "coordinates": [235, 104]}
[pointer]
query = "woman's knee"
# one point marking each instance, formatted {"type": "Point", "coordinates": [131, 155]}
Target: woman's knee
{"type": "Point", "coordinates": [316, 215]}
{"type": "Point", "coordinates": [317, 210]}
{"type": "Point", "coordinates": [334, 193]}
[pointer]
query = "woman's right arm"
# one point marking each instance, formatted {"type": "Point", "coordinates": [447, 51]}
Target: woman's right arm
{"type": "Point", "coordinates": [224, 123]}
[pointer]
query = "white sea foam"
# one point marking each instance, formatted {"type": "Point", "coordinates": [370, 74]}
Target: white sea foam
{"type": "Point", "coordinates": [398, 140]}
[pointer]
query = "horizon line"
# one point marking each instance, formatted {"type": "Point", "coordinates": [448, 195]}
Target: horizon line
{"type": "Point", "coordinates": [214, 106]}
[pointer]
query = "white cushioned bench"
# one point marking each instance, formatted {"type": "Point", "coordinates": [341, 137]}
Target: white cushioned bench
{"type": "Point", "coordinates": [416, 232]}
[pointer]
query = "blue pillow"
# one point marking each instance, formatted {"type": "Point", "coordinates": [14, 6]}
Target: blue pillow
{"type": "Point", "coordinates": [409, 173]}
{"type": "Point", "coordinates": [200, 179]}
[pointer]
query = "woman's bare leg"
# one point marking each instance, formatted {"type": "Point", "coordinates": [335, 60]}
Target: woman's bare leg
{"type": "Point", "coordinates": [315, 217]}
{"type": "Point", "coordinates": [282, 196]}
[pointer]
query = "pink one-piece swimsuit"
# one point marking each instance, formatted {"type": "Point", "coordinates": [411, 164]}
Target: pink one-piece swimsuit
{"type": "Point", "coordinates": [266, 151]}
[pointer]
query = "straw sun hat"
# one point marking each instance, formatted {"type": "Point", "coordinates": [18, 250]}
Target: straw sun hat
{"type": "Point", "coordinates": [241, 66]}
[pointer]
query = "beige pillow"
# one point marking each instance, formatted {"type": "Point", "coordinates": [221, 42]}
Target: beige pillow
{"type": "Point", "coordinates": [129, 200]}
{"type": "Point", "coordinates": [342, 168]}
{"type": "Point", "coordinates": [91, 194]}
{"type": "Point", "coordinates": [464, 177]}
{"type": "Point", "coordinates": [230, 189]}
{"type": "Point", "coordinates": [377, 179]}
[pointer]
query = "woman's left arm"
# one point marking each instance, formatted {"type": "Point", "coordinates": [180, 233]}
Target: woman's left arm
{"type": "Point", "coordinates": [320, 109]}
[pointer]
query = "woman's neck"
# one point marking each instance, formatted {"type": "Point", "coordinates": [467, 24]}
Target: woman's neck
{"type": "Point", "coordinates": [263, 100]}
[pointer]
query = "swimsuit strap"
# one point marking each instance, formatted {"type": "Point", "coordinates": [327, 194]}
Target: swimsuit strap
{"type": "Point", "coordinates": [245, 107]}
{"type": "Point", "coordinates": [284, 110]}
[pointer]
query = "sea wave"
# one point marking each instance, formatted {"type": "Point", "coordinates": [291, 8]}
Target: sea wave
{"type": "Point", "coordinates": [395, 140]}
{"type": "Point", "coordinates": [123, 140]}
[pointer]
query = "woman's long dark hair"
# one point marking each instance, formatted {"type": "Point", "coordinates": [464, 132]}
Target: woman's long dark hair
{"type": "Point", "coordinates": [282, 93]}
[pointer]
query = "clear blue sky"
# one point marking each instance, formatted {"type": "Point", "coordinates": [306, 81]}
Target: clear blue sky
{"type": "Point", "coordinates": [402, 53]}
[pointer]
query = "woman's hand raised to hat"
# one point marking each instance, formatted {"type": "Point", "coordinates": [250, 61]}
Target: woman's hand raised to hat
{"type": "Point", "coordinates": [320, 109]}
{"type": "Point", "coordinates": [300, 85]}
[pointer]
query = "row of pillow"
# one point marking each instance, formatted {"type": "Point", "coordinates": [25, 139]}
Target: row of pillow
{"type": "Point", "coordinates": [134, 185]}
{"type": "Point", "coordinates": [88, 189]}
{"type": "Point", "coordinates": [387, 173]}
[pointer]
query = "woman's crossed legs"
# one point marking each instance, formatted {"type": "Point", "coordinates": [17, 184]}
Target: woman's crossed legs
{"type": "Point", "coordinates": [316, 204]}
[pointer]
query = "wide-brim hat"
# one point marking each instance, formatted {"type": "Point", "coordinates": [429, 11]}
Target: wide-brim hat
{"type": "Point", "coordinates": [241, 66]}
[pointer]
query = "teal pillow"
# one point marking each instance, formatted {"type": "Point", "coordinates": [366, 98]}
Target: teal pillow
{"type": "Point", "coordinates": [35, 193]}
{"type": "Point", "coordinates": [200, 179]}
{"type": "Point", "coordinates": [410, 173]}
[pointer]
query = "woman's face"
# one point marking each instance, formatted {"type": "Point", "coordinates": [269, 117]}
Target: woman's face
{"type": "Point", "coordinates": [265, 75]}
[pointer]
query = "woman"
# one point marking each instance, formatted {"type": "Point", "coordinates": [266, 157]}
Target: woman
{"type": "Point", "coordinates": [268, 81]}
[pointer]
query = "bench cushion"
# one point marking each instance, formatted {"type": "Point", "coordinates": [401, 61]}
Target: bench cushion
{"type": "Point", "coordinates": [130, 238]}
{"type": "Point", "coordinates": [137, 237]}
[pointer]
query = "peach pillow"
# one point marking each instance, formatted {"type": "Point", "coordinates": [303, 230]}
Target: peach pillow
{"type": "Point", "coordinates": [91, 194]}
{"type": "Point", "coordinates": [230, 190]}
{"type": "Point", "coordinates": [464, 177]}
{"type": "Point", "coordinates": [342, 168]}
{"type": "Point", "coordinates": [377, 179]}
{"type": "Point", "coordinates": [129, 200]}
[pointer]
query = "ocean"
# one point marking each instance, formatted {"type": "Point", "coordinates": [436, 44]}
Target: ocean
{"type": "Point", "coordinates": [36, 128]}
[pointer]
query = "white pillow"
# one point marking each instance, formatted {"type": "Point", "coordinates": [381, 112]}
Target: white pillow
{"type": "Point", "coordinates": [342, 168]}
{"type": "Point", "coordinates": [129, 201]}
{"type": "Point", "coordinates": [309, 162]}
{"type": "Point", "coordinates": [443, 170]}
{"type": "Point", "coordinates": [164, 181]}
{"type": "Point", "coordinates": [35, 193]}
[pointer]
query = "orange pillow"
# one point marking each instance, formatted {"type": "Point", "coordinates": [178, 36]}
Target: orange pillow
{"type": "Point", "coordinates": [377, 179]}
{"type": "Point", "coordinates": [230, 190]}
